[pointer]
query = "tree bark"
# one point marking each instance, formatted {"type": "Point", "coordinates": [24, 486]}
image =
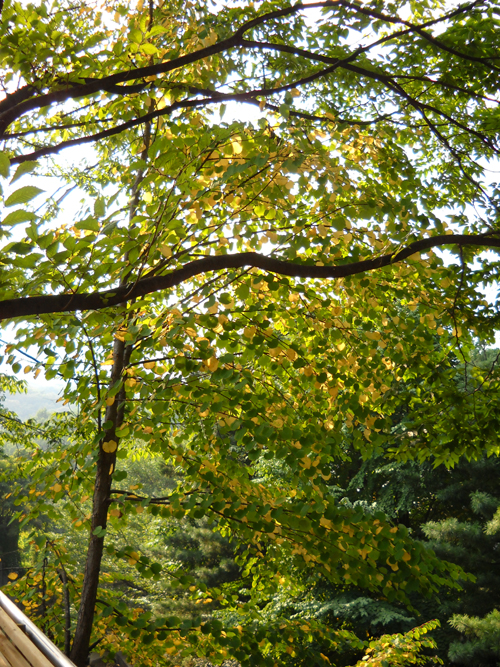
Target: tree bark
{"type": "Point", "coordinates": [100, 503]}
{"type": "Point", "coordinates": [51, 303]}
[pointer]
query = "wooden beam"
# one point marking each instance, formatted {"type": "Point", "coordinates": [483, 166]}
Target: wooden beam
{"type": "Point", "coordinates": [23, 644]}
{"type": "Point", "coordinates": [11, 654]}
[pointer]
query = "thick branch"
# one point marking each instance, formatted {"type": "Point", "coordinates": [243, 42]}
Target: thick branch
{"type": "Point", "coordinates": [17, 104]}
{"type": "Point", "coordinates": [38, 305]}
{"type": "Point", "coordinates": [91, 87]}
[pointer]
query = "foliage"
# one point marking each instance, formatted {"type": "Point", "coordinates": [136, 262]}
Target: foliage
{"type": "Point", "coordinates": [252, 299]}
{"type": "Point", "coordinates": [414, 493]}
{"type": "Point", "coordinates": [401, 649]}
{"type": "Point", "coordinates": [10, 562]}
{"type": "Point", "coordinates": [483, 645]}
{"type": "Point", "coordinates": [474, 545]}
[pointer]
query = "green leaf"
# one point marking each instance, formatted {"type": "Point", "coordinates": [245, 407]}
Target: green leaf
{"type": "Point", "coordinates": [149, 49]}
{"type": "Point", "coordinates": [20, 248]}
{"type": "Point", "coordinates": [99, 208]}
{"type": "Point", "coordinates": [4, 165]}
{"type": "Point", "coordinates": [15, 217]}
{"type": "Point", "coordinates": [23, 195]}
{"type": "Point", "coordinates": [24, 168]}
{"type": "Point", "coordinates": [90, 224]}
{"type": "Point", "coordinates": [136, 36]}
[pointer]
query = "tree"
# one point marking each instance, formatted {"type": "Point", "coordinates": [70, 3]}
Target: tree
{"type": "Point", "coordinates": [483, 645]}
{"type": "Point", "coordinates": [474, 546]}
{"type": "Point", "coordinates": [255, 290]}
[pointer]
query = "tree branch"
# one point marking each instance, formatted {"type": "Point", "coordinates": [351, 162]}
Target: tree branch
{"type": "Point", "coordinates": [419, 30]}
{"type": "Point", "coordinates": [38, 305]}
{"type": "Point", "coordinates": [90, 87]}
{"type": "Point", "coordinates": [17, 104]}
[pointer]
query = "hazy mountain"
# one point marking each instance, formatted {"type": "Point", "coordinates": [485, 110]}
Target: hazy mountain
{"type": "Point", "coordinates": [39, 397]}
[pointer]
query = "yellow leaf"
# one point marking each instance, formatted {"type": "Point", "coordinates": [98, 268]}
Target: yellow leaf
{"type": "Point", "coordinates": [166, 251]}
{"type": "Point", "coordinates": [57, 487]}
{"type": "Point", "coordinates": [291, 354]}
{"type": "Point", "coordinates": [12, 576]}
{"type": "Point", "coordinates": [213, 364]}
{"type": "Point", "coordinates": [150, 365]}
{"type": "Point", "coordinates": [306, 462]}
{"type": "Point", "coordinates": [325, 657]}
{"type": "Point", "coordinates": [110, 401]}
{"type": "Point", "coordinates": [115, 512]}
{"type": "Point", "coordinates": [326, 523]}
{"type": "Point", "coordinates": [147, 197]}
{"type": "Point", "coordinates": [237, 147]}
{"type": "Point", "coordinates": [110, 446]}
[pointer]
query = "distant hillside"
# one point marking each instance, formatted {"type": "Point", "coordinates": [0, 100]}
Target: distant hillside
{"type": "Point", "coordinates": [39, 397]}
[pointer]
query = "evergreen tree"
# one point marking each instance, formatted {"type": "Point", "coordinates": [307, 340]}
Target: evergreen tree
{"type": "Point", "coordinates": [482, 647]}
{"type": "Point", "coordinates": [474, 544]}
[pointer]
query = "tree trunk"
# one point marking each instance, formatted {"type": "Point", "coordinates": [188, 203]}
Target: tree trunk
{"type": "Point", "coordinates": [106, 461]}
{"type": "Point", "coordinates": [100, 503]}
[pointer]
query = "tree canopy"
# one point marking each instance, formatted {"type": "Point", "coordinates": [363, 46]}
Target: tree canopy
{"type": "Point", "coordinates": [248, 287]}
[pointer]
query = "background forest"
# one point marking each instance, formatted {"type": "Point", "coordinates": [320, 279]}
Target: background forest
{"type": "Point", "coordinates": [256, 243]}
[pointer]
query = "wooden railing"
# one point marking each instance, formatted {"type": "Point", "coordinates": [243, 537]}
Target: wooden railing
{"type": "Point", "coordinates": [19, 634]}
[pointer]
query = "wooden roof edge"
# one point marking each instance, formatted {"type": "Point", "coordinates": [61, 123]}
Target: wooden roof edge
{"type": "Point", "coordinates": [43, 643]}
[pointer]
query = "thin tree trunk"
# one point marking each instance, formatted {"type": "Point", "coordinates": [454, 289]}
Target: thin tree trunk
{"type": "Point", "coordinates": [67, 612]}
{"type": "Point", "coordinates": [105, 467]}
{"type": "Point", "coordinates": [100, 503]}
